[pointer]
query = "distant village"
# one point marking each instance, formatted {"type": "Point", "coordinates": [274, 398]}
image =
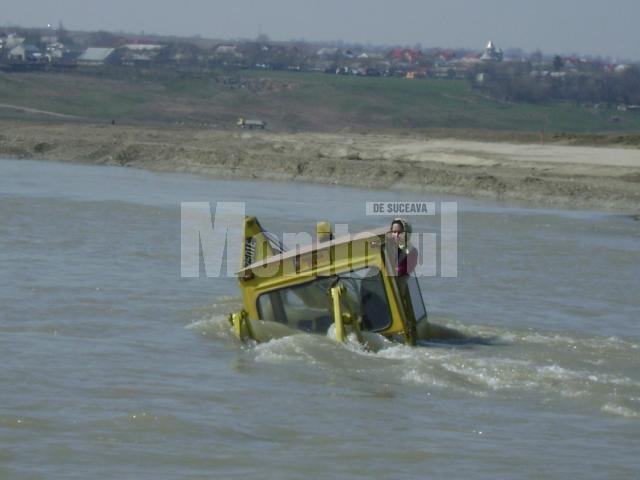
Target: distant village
{"type": "Point", "coordinates": [58, 49]}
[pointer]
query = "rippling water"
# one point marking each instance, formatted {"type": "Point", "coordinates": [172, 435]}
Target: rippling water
{"type": "Point", "coordinates": [113, 366]}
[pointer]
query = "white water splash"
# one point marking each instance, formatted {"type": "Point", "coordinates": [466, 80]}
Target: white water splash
{"type": "Point", "coordinates": [620, 410]}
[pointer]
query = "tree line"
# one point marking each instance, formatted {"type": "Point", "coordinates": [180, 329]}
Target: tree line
{"type": "Point", "coordinates": [522, 83]}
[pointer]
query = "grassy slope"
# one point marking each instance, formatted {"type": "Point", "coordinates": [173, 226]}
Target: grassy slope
{"type": "Point", "coordinates": [296, 101]}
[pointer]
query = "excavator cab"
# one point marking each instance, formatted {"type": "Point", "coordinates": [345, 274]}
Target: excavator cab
{"type": "Point", "coordinates": [347, 284]}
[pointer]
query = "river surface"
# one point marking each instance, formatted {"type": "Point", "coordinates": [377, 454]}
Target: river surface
{"type": "Point", "coordinates": [114, 366]}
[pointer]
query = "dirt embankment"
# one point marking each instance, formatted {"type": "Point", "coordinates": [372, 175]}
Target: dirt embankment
{"type": "Point", "coordinates": [591, 177]}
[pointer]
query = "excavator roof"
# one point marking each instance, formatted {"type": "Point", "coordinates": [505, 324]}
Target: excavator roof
{"type": "Point", "coordinates": [378, 232]}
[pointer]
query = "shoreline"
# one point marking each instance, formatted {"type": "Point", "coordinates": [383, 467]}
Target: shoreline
{"type": "Point", "coordinates": [560, 176]}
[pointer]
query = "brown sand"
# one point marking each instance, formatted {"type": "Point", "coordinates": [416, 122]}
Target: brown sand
{"type": "Point", "coordinates": [602, 178]}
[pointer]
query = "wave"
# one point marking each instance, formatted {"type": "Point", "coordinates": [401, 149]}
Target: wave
{"type": "Point", "coordinates": [492, 361]}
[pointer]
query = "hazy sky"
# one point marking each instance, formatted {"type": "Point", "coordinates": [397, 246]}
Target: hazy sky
{"type": "Point", "coordinates": [554, 26]}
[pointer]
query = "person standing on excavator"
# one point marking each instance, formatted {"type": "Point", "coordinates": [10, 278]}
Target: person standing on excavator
{"type": "Point", "coordinates": [404, 263]}
{"type": "Point", "coordinates": [407, 254]}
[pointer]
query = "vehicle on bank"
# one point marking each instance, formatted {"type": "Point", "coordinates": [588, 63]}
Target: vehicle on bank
{"type": "Point", "coordinates": [251, 124]}
{"type": "Point", "coordinates": [348, 286]}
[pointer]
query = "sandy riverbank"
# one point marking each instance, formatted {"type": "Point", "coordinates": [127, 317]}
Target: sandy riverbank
{"type": "Point", "coordinates": [602, 178]}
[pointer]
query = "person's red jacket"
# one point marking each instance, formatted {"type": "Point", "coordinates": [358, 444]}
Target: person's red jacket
{"type": "Point", "coordinates": [407, 263]}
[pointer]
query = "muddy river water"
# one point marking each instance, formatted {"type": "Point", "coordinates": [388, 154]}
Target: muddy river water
{"type": "Point", "coordinates": [114, 366]}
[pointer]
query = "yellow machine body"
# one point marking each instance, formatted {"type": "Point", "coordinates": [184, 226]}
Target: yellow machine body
{"type": "Point", "coordinates": [346, 283]}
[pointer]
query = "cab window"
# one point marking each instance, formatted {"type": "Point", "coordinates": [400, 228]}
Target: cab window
{"type": "Point", "coordinates": [417, 303]}
{"type": "Point", "coordinates": [309, 307]}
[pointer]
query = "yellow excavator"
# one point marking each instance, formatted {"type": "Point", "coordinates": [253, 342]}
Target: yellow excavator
{"type": "Point", "coordinates": [346, 285]}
